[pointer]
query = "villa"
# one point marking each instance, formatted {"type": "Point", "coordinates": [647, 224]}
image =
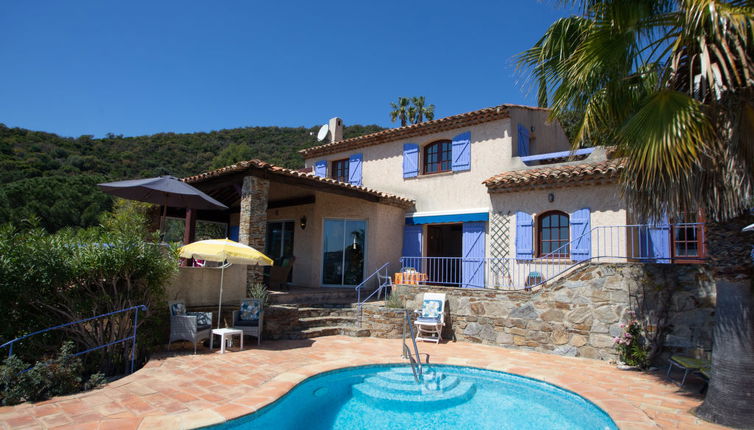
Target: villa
{"type": "Point", "coordinates": [487, 199]}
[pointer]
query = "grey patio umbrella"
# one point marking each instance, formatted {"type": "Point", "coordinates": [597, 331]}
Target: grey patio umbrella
{"type": "Point", "coordinates": [162, 190]}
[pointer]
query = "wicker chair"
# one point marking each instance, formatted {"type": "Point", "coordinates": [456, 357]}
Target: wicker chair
{"type": "Point", "coordinates": [249, 318]}
{"type": "Point", "coordinates": [190, 326]}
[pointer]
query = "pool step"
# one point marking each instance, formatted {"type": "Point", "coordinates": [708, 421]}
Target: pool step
{"type": "Point", "coordinates": [397, 388]}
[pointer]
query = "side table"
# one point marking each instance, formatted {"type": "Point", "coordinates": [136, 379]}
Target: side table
{"type": "Point", "coordinates": [223, 332]}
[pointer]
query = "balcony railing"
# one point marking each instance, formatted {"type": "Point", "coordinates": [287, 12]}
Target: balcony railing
{"type": "Point", "coordinates": [660, 243]}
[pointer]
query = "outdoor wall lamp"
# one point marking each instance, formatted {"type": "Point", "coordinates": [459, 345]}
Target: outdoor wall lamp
{"type": "Point", "coordinates": [551, 197]}
{"type": "Point", "coordinates": [302, 222]}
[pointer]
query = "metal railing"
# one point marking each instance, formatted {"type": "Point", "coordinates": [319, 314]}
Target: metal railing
{"type": "Point", "coordinates": [378, 291]}
{"type": "Point", "coordinates": [132, 337]}
{"type": "Point", "coordinates": [661, 243]}
{"type": "Point", "coordinates": [414, 361]}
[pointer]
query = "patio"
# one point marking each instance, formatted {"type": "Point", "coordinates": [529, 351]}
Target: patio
{"type": "Point", "coordinates": [188, 391]}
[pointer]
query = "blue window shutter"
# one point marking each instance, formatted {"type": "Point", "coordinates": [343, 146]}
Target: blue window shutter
{"type": "Point", "coordinates": [524, 236]}
{"type": "Point", "coordinates": [410, 160]}
{"type": "Point", "coordinates": [233, 233]}
{"type": "Point", "coordinates": [581, 235]}
{"type": "Point", "coordinates": [654, 241]}
{"type": "Point", "coordinates": [320, 168]}
{"type": "Point", "coordinates": [354, 169]}
{"type": "Point", "coordinates": [472, 269]}
{"type": "Point", "coordinates": [412, 246]}
{"type": "Point", "coordinates": [523, 141]}
{"type": "Point", "coordinates": [461, 152]}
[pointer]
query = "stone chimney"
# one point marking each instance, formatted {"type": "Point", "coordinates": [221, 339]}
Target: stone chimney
{"type": "Point", "coordinates": [335, 125]}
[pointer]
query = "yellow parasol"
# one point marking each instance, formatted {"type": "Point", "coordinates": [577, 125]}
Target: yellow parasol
{"type": "Point", "coordinates": [224, 250]}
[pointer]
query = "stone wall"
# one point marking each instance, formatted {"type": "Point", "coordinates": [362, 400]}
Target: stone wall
{"type": "Point", "coordinates": [580, 314]}
{"type": "Point", "coordinates": [382, 322]}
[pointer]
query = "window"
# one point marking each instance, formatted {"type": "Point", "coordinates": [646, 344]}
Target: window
{"type": "Point", "coordinates": [554, 235]}
{"type": "Point", "coordinates": [687, 236]}
{"type": "Point", "coordinates": [339, 170]}
{"type": "Point", "coordinates": [437, 157]}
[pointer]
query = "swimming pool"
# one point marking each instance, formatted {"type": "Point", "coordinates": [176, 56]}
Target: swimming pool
{"type": "Point", "coordinates": [451, 397]}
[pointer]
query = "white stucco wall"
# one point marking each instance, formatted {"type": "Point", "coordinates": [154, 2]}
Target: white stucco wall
{"type": "Point", "coordinates": [383, 242]}
{"type": "Point", "coordinates": [492, 146]}
{"type": "Point", "coordinates": [200, 286]}
{"type": "Point", "coordinates": [604, 201]}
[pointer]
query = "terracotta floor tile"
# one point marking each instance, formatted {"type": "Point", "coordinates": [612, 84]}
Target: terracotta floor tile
{"type": "Point", "coordinates": [182, 389]}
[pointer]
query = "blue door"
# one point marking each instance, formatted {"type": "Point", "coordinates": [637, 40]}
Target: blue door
{"type": "Point", "coordinates": [472, 266]}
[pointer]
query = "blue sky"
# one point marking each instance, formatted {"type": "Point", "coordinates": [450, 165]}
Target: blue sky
{"type": "Point", "coordinates": [141, 67]}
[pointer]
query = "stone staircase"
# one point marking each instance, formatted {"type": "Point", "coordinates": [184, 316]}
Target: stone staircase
{"type": "Point", "coordinates": [303, 314]}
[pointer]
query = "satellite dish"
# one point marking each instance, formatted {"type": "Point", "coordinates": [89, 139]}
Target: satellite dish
{"type": "Point", "coordinates": [323, 132]}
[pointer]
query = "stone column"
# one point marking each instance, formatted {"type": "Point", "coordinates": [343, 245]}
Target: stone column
{"type": "Point", "coordinates": [252, 230]}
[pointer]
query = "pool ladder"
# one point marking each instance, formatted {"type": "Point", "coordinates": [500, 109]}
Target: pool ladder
{"type": "Point", "coordinates": [413, 358]}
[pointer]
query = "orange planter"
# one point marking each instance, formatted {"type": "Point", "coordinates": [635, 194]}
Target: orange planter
{"type": "Point", "coordinates": [410, 278]}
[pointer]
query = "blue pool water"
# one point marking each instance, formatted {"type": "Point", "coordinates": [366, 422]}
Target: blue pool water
{"type": "Point", "coordinates": [451, 397]}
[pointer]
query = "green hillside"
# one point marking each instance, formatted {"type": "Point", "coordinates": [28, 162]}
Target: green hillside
{"type": "Point", "coordinates": [52, 178]}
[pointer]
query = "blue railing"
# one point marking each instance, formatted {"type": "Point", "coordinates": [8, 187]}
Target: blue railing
{"type": "Point", "coordinates": [132, 338]}
{"type": "Point", "coordinates": [380, 285]}
{"type": "Point", "coordinates": [662, 243]}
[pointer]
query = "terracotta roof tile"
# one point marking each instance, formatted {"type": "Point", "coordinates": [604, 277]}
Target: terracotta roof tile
{"type": "Point", "coordinates": [595, 172]}
{"type": "Point", "coordinates": [424, 128]}
{"type": "Point", "coordinates": [241, 166]}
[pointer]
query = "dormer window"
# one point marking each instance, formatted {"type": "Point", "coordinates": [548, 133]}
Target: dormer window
{"type": "Point", "coordinates": [438, 157]}
{"type": "Point", "coordinates": [339, 170]}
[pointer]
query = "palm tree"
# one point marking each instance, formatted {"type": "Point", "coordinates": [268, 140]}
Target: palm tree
{"type": "Point", "coordinates": [414, 113]}
{"type": "Point", "coordinates": [400, 111]}
{"type": "Point", "coordinates": [420, 111]}
{"type": "Point", "coordinates": [672, 83]}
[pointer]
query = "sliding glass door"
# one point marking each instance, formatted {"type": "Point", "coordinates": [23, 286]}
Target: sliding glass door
{"type": "Point", "coordinates": [343, 252]}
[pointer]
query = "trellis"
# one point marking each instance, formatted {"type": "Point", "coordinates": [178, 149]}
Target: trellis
{"type": "Point", "coordinates": [499, 249]}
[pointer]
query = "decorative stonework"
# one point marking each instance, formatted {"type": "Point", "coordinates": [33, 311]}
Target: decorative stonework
{"type": "Point", "coordinates": [253, 219]}
{"type": "Point", "coordinates": [580, 314]}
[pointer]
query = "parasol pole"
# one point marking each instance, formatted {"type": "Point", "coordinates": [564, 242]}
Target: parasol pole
{"type": "Point", "coordinates": [162, 218]}
{"type": "Point", "coordinates": [220, 304]}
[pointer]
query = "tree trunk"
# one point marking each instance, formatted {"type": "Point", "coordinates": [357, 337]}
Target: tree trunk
{"type": "Point", "coordinates": [730, 396]}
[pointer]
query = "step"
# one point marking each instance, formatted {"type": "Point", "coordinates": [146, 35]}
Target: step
{"type": "Point", "coordinates": [326, 321]}
{"type": "Point", "coordinates": [317, 311]}
{"type": "Point", "coordinates": [412, 387]}
{"type": "Point", "coordinates": [426, 401]}
{"type": "Point", "coordinates": [332, 331]}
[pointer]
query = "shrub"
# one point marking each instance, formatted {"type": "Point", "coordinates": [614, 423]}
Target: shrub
{"type": "Point", "coordinates": [631, 345]}
{"type": "Point", "coordinates": [59, 376]}
{"type": "Point", "coordinates": [394, 301]}
{"type": "Point", "coordinates": [259, 291]}
{"type": "Point", "coordinates": [49, 279]}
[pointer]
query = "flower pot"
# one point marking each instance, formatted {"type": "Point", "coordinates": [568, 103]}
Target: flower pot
{"type": "Point", "coordinates": [623, 366]}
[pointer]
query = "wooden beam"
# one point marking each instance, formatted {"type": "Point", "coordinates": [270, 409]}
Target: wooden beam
{"type": "Point", "coordinates": [276, 204]}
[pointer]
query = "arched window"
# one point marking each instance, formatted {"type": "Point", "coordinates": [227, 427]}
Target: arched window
{"type": "Point", "coordinates": [554, 235]}
{"type": "Point", "coordinates": [437, 157]}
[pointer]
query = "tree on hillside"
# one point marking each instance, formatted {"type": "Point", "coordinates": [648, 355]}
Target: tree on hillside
{"type": "Point", "coordinates": [673, 83]}
{"type": "Point", "coordinates": [232, 154]}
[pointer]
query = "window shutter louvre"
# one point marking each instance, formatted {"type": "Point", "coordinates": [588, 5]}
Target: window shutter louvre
{"type": "Point", "coordinates": [410, 160]}
{"type": "Point", "coordinates": [472, 269]}
{"type": "Point", "coordinates": [523, 141]}
{"type": "Point", "coordinates": [354, 169]}
{"type": "Point", "coordinates": [524, 236]}
{"type": "Point", "coordinates": [320, 168]}
{"type": "Point", "coordinates": [461, 152]}
{"type": "Point", "coordinates": [581, 235]}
